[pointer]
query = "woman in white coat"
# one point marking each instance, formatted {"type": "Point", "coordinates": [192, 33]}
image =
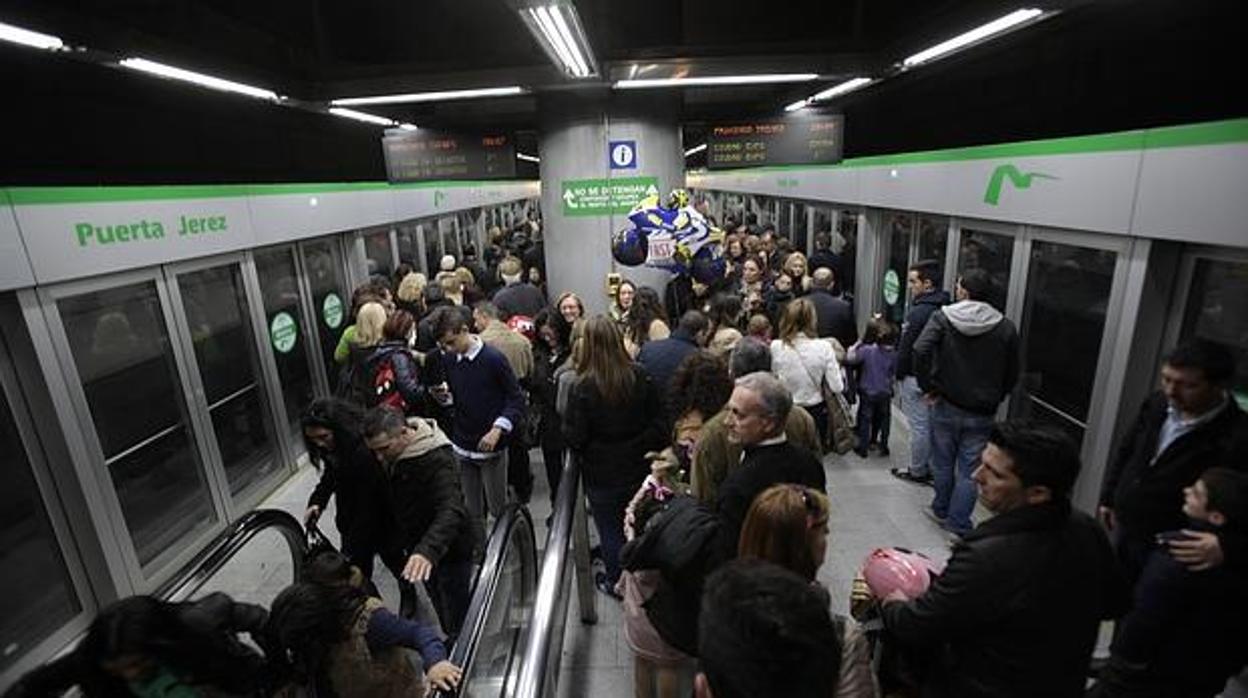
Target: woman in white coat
{"type": "Point", "coordinates": [804, 363]}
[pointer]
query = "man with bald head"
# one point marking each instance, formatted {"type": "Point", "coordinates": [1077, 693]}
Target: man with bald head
{"type": "Point", "coordinates": [834, 316]}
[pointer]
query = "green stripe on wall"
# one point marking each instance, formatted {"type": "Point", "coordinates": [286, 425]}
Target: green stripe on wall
{"type": "Point", "coordinates": [32, 196]}
{"type": "Point", "coordinates": [1211, 133]}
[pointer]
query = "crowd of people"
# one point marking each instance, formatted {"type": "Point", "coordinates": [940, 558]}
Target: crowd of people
{"type": "Point", "coordinates": [701, 418]}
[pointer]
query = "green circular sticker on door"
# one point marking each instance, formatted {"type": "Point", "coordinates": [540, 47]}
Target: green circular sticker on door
{"type": "Point", "coordinates": [892, 287]}
{"type": "Point", "coordinates": [331, 310]}
{"type": "Point", "coordinates": [283, 332]}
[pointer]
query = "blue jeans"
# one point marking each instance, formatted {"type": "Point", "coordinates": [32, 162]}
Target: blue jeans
{"type": "Point", "coordinates": [958, 439]}
{"type": "Point", "coordinates": [873, 419]}
{"type": "Point", "coordinates": [918, 414]}
{"type": "Point", "coordinates": [607, 504]}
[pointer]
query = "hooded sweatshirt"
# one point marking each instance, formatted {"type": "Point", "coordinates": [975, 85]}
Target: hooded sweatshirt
{"type": "Point", "coordinates": [968, 355]}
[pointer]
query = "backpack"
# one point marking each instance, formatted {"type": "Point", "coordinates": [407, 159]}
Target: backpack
{"type": "Point", "coordinates": [385, 388]}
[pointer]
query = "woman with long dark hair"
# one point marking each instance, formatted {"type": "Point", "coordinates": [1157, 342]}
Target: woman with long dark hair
{"type": "Point", "coordinates": [551, 350]}
{"type": "Point", "coordinates": [142, 646]}
{"type": "Point", "coordinates": [614, 418]}
{"type": "Point", "coordinates": [333, 434]}
{"type": "Point", "coordinates": [338, 642]}
{"type": "Point", "coordinates": [646, 321]}
{"type": "Point", "coordinates": [725, 314]}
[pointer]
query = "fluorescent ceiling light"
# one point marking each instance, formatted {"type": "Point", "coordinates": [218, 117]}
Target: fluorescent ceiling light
{"type": "Point", "coordinates": [977, 34]}
{"type": "Point", "coordinates": [763, 78]}
{"type": "Point", "coordinates": [361, 116]}
{"type": "Point", "coordinates": [799, 104]}
{"type": "Point", "coordinates": [445, 95]}
{"type": "Point", "coordinates": [558, 29]}
{"type": "Point", "coordinates": [695, 150]}
{"type": "Point", "coordinates": [26, 37]}
{"type": "Point", "coordinates": [528, 158]}
{"type": "Point", "coordinates": [209, 81]}
{"type": "Point", "coordinates": [407, 127]}
{"type": "Point", "coordinates": [838, 90]}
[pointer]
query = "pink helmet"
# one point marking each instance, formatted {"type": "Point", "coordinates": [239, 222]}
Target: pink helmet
{"type": "Point", "coordinates": [895, 569]}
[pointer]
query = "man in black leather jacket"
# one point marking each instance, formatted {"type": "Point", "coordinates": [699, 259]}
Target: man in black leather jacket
{"type": "Point", "coordinates": [1017, 608]}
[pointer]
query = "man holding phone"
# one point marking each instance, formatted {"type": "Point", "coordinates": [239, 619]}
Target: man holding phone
{"type": "Point", "coordinates": [488, 407]}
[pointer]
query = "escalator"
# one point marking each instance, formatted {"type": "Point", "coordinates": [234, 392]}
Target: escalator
{"type": "Point", "coordinates": [512, 636]}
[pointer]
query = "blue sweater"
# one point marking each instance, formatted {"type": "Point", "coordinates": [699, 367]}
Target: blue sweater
{"type": "Point", "coordinates": [387, 630]}
{"type": "Point", "coordinates": [486, 393]}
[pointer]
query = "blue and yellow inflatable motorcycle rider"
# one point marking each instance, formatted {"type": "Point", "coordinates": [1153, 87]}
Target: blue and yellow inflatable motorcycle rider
{"type": "Point", "coordinates": [671, 235]}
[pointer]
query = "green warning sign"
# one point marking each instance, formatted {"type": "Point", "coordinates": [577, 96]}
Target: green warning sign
{"type": "Point", "coordinates": [892, 287]}
{"type": "Point", "coordinates": [331, 310]}
{"type": "Point", "coordinates": [603, 197]}
{"type": "Point", "coordinates": [283, 332]}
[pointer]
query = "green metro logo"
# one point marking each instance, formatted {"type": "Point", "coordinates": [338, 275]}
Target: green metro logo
{"type": "Point", "coordinates": [1020, 180]}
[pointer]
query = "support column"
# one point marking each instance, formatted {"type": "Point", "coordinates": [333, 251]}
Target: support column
{"type": "Point", "coordinates": [576, 129]}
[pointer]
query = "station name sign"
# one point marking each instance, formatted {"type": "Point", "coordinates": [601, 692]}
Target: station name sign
{"type": "Point", "coordinates": [423, 154]}
{"type": "Point", "coordinates": [796, 140]}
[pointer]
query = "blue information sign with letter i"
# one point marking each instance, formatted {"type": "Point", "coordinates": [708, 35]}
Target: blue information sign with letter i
{"type": "Point", "coordinates": [622, 154]}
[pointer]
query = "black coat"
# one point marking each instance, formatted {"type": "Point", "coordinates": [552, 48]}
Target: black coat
{"type": "Point", "coordinates": [679, 543]}
{"type": "Point", "coordinates": [1147, 496]}
{"type": "Point", "coordinates": [216, 656]}
{"type": "Point", "coordinates": [353, 475]}
{"type": "Point", "coordinates": [543, 391]}
{"type": "Point", "coordinates": [431, 517]}
{"type": "Point", "coordinates": [661, 358]}
{"type": "Point", "coordinates": [612, 440]}
{"type": "Point", "coordinates": [972, 372]}
{"type": "Point", "coordinates": [1017, 609]}
{"type": "Point", "coordinates": [761, 467]}
{"type": "Point", "coordinates": [834, 317]}
{"type": "Point", "coordinates": [920, 312]}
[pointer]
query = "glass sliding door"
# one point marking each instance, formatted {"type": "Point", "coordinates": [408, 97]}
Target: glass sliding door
{"type": "Point", "coordinates": [327, 282]}
{"type": "Point", "coordinates": [120, 345]}
{"type": "Point", "coordinates": [219, 323]}
{"type": "Point", "coordinates": [37, 592]}
{"type": "Point", "coordinates": [894, 298]}
{"type": "Point", "coordinates": [289, 336]}
{"type": "Point", "coordinates": [1216, 310]}
{"type": "Point", "coordinates": [1065, 310]}
{"type": "Point", "coordinates": [991, 251]}
{"type": "Point", "coordinates": [377, 252]}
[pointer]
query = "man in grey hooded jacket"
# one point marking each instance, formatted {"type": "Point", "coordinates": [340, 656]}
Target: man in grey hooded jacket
{"type": "Point", "coordinates": [966, 362]}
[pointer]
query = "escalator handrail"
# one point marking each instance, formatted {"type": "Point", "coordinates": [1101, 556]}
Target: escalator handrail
{"type": "Point", "coordinates": [192, 577]}
{"type": "Point", "coordinates": [463, 654]}
{"type": "Point", "coordinates": [550, 602]}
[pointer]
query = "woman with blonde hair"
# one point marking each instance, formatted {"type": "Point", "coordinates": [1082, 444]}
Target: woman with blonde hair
{"type": "Point", "coordinates": [614, 417]}
{"type": "Point", "coordinates": [805, 364]}
{"type": "Point", "coordinates": [788, 525]}
{"type": "Point", "coordinates": [452, 287]}
{"type": "Point", "coordinates": [355, 381]}
{"type": "Point", "coordinates": [796, 268]}
{"type": "Point", "coordinates": [410, 293]}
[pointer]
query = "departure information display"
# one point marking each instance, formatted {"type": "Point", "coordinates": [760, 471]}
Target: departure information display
{"type": "Point", "coordinates": [804, 140]}
{"type": "Point", "coordinates": [414, 156]}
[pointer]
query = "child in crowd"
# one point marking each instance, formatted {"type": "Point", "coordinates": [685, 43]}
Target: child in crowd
{"type": "Point", "coordinates": [759, 327]}
{"type": "Point", "coordinates": [876, 359]}
{"type": "Point", "coordinates": [1183, 637]}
